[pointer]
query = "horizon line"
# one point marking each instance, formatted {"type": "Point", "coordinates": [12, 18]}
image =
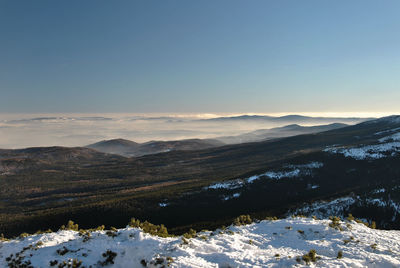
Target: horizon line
{"type": "Point", "coordinates": [210, 115]}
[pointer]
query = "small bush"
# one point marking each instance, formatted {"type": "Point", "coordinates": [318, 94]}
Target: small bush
{"type": "Point", "coordinates": [299, 216]}
{"type": "Point", "coordinates": [203, 237]}
{"type": "Point", "coordinates": [111, 234]}
{"type": "Point", "coordinates": [71, 263]}
{"type": "Point", "coordinates": [362, 222]}
{"type": "Point", "coordinates": [23, 235]}
{"type": "Point", "coordinates": [190, 234]}
{"type": "Point", "coordinates": [39, 244]}
{"type": "Point", "coordinates": [340, 254]}
{"type": "Point", "coordinates": [311, 256]}
{"type": "Point", "coordinates": [2, 238]}
{"type": "Point", "coordinates": [100, 228]}
{"type": "Point", "coordinates": [374, 246]}
{"type": "Point", "coordinates": [110, 256]}
{"type": "Point", "coordinates": [335, 223]}
{"type": "Point", "coordinates": [62, 251]}
{"type": "Point", "coordinates": [350, 217]}
{"type": "Point", "coordinates": [170, 260]}
{"type": "Point", "coordinates": [85, 234]}
{"type": "Point", "coordinates": [242, 220]}
{"type": "Point", "coordinates": [70, 226]}
{"type": "Point", "coordinates": [147, 227]}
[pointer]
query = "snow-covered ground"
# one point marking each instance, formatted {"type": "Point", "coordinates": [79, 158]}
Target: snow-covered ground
{"type": "Point", "coordinates": [324, 209]}
{"type": "Point", "coordinates": [376, 151]}
{"type": "Point", "coordinates": [341, 206]}
{"type": "Point", "coordinates": [289, 171]}
{"type": "Point", "coordinates": [278, 243]}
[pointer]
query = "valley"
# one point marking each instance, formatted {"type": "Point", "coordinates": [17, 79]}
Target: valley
{"type": "Point", "coordinates": [43, 187]}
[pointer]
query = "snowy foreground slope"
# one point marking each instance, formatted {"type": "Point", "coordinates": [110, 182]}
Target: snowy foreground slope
{"type": "Point", "coordinates": [265, 244]}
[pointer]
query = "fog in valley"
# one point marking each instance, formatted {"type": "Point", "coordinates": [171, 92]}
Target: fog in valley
{"type": "Point", "coordinates": [21, 131]}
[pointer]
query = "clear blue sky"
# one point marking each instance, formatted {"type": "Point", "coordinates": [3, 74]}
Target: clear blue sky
{"type": "Point", "coordinates": [199, 56]}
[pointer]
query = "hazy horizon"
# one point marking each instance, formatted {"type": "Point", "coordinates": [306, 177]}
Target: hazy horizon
{"type": "Point", "coordinates": [73, 129]}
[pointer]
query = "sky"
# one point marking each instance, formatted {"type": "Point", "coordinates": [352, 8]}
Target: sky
{"type": "Point", "coordinates": [199, 56]}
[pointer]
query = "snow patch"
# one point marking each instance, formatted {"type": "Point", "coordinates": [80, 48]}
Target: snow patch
{"type": "Point", "coordinates": [394, 137]}
{"type": "Point", "coordinates": [235, 195]}
{"type": "Point", "coordinates": [226, 185]}
{"type": "Point", "coordinates": [377, 151]}
{"type": "Point", "coordinates": [323, 209]}
{"type": "Point", "coordinates": [291, 172]}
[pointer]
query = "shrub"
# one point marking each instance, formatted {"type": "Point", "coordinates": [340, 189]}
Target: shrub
{"type": "Point", "coordinates": [100, 228]}
{"type": "Point", "coordinates": [335, 223]}
{"type": "Point", "coordinates": [43, 232]}
{"type": "Point", "coordinates": [85, 234]}
{"type": "Point", "coordinates": [39, 244]}
{"type": "Point", "coordinates": [111, 234]}
{"type": "Point", "coordinates": [70, 226]}
{"type": "Point", "coordinates": [242, 220]}
{"type": "Point", "coordinates": [190, 234]}
{"type": "Point", "coordinates": [350, 217]}
{"type": "Point", "coordinates": [170, 260]}
{"type": "Point", "coordinates": [147, 227]}
{"type": "Point", "coordinates": [373, 225]}
{"type": "Point", "coordinates": [311, 256]}
{"type": "Point", "coordinates": [110, 256]}
{"type": "Point", "coordinates": [340, 254]}
{"type": "Point", "coordinates": [2, 238]}
{"type": "Point", "coordinates": [362, 222]}
{"type": "Point", "coordinates": [62, 251]}
{"type": "Point", "coordinates": [72, 263]}
{"type": "Point", "coordinates": [23, 235]}
{"type": "Point", "coordinates": [299, 216]}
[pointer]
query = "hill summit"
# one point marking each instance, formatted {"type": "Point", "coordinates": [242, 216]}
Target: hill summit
{"type": "Point", "coordinates": [288, 242]}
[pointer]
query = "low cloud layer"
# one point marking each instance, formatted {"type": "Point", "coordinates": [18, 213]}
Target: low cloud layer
{"type": "Point", "coordinates": [20, 131]}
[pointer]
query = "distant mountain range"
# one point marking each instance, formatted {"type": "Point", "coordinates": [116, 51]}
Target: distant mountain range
{"type": "Point", "coordinates": [290, 119]}
{"type": "Point", "coordinates": [130, 149]}
{"type": "Point", "coordinates": [279, 132]}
